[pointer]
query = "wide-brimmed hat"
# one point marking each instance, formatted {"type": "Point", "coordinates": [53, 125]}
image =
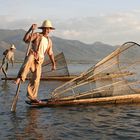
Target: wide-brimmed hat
{"type": "Point", "coordinates": [13, 46]}
{"type": "Point", "coordinates": [47, 24]}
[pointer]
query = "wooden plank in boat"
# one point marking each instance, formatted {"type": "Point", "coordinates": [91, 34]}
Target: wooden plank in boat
{"type": "Point", "coordinates": [61, 78]}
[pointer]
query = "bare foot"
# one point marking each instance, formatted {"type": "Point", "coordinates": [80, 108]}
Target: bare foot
{"type": "Point", "coordinates": [17, 81]}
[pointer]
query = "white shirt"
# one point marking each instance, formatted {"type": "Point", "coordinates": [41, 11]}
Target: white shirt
{"type": "Point", "coordinates": [44, 43]}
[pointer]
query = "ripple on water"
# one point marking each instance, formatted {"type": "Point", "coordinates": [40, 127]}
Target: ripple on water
{"type": "Point", "coordinates": [65, 123]}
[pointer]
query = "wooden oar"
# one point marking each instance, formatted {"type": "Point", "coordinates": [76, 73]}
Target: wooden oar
{"type": "Point", "coordinates": [14, 104]}
{"type": "Point", "coordinates": [15, 99]}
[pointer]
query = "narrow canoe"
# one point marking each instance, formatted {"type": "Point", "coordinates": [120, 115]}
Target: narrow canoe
{"type": "Point", "coordinates": [123, 99]}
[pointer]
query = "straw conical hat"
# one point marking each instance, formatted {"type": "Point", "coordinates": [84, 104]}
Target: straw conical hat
{"type": "Point", "coordinates": [47, 24]}
{"type": "Point", "coordinates": [13, 46]}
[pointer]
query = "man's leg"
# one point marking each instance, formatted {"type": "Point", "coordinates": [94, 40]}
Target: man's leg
{"type": "Point", "coordinates": [3, 62]}
{"type": "Point", "coordinates": [33, 86]}
{"type": "Point", "coordinates": [3, 70]}
{"type": "Point", "coordinates": [6, 69]}
{"type": "Point", "coordinates": [25, 68]}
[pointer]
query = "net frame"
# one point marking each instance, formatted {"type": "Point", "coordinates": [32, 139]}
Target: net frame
{"type": "Point", "coordinates": [95, 74]}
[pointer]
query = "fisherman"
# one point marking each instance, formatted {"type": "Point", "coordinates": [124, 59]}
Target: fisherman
{"type": "Point", "coordinates": [41, 45]}
{"type": "Point", "coordinates": [8, 58]}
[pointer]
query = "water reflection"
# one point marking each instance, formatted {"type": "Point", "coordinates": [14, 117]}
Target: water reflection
{"type": "Point", "coordinates": [4, 94]}
{"type": "Point", "coordinates": [4, 85]}
{"type": "Point", "coordinates": [39, 125]}
{"type": "Point", "coordinates": [32, 129]}
{"type": "Point", "coordinates": [15, 126]}
{"type": "Point", "coordinates": [25, 126]}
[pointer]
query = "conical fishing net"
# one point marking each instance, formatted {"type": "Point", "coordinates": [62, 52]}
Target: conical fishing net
{"type": "Point", "coordinates": [61, 67]}
{"type": "Point", "coordinates": [116, 74]}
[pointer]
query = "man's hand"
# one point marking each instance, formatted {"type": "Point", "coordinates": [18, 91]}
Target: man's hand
{"type": "Point", "coordinates": [34, 26]}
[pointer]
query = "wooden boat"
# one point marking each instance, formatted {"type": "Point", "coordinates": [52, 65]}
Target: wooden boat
{"type": "Point", "coordinates": [125, 99]}
{"type": "Point", "coordinates": [113, 80]}
{"type": "Point", "coordinates": [59, 78]}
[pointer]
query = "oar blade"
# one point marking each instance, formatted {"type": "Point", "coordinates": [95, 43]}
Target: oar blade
{"type": "Point", "coordinates": [14, 103]}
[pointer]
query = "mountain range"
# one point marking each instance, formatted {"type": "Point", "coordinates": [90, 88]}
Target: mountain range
{"type": "Point", "coordinates": [73, 50]}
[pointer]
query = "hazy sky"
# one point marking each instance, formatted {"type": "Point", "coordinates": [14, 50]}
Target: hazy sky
{"type": "Point", "coordinates": [109, 21]}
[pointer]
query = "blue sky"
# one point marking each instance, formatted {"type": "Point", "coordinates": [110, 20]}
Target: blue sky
{"type": "Point", "coordinates": [109, 21]}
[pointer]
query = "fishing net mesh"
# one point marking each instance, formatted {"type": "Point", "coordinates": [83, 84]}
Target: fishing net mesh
{"type": "Point", "coordinates": [61, 65]}
{"type": "Point", "coordinates": [116, 74]}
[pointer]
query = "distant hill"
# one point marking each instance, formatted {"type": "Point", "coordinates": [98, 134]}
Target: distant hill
{"type": "Point", "coordinates": [73, 50]}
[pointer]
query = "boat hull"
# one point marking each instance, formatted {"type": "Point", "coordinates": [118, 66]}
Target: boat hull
{"type": "Point", "coordinates": [124, 99]}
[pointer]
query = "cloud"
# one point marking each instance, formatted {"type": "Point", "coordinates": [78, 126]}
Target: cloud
{"type": "Point", "coordinates": [11, 22]}
{"type": "Point", "coordinates": [115, 28]}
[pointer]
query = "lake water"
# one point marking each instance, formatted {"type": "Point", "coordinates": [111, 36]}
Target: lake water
{"type": "Point", "coordinates": [106, 122]}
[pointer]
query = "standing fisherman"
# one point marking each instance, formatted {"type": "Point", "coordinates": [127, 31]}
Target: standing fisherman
{"type": "Point", "coordinates": [8, 57]}
{"type": "Point", "coordinates": [41, 45]}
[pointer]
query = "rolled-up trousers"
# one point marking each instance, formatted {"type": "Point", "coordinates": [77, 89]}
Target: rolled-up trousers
{"type": "Point", "coordinates": [35, 67]}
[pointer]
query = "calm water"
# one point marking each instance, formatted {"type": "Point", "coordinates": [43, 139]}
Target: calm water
{"type": "Point", "coordinates": [121, 122]}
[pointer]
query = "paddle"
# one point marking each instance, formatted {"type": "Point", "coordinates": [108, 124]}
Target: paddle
{"type": "Point", "coordinates": [15, 99]}
{"type": "Point", "coordinates": [14, 104]}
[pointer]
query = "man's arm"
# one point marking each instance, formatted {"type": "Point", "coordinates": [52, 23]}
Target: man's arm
{"type": "Point", "coordinates": [51, 54]}
{"type": "Point", "coordinates": [5, 52]}
{"type": "Point", "coordinates": [53, 61]}
{"type": "Point", "coordinates": [28, 36]}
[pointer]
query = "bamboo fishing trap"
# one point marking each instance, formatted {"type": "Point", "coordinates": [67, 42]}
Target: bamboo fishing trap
{"type": "Point", "coordinates": [117, 75]}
